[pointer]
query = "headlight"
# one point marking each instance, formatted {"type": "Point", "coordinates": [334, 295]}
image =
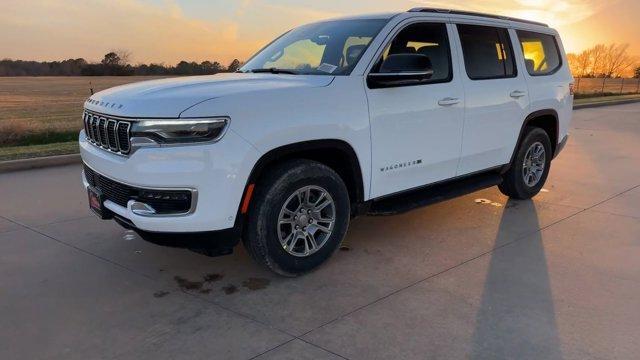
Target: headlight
{"type": "Point", "coordinates": [181, 130]}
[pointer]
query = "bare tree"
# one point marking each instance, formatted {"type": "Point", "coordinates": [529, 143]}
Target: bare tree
{"type": "Point", "coordinates": [597, 60]}
{"type": "Point", "coordinates": [582, 62]}
{"type": "Point", "coordinates": [125, 56]}
{"type": "Point", "coordinates": [617, 60]}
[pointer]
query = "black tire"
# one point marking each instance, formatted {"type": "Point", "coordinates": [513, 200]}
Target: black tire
{"type": "Point", "coordinates": [261, 235]}
{"type": "Point", "coordinates": [513, 184]}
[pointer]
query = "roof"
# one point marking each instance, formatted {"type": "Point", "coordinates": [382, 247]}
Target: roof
{"type": "Point", "coordinates": [472, 13]}
{"type": "Point", "coordinates": [381, 16]}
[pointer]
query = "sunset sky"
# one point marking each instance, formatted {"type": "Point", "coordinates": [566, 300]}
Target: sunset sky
{"type": "Point", "coordinates": [167, 31]}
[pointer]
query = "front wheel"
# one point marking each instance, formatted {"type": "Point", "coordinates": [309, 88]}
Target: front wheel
{"type": "Point", "coordinates": [299, 216]}
{"type": "Point", "coordinates": [531, 166]}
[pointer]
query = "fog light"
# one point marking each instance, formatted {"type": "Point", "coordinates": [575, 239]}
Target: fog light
{"type": "Point", "coordinates": [142, 209]}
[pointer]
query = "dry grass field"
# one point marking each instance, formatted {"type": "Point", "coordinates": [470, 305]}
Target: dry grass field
{"type": "Point", "coordinates": [41, 110]}
{"type": "Point", "coordinates": [41, 116]}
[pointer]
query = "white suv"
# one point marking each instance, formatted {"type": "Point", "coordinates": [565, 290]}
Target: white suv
{"type": "Point", "coordinates": [375, 114]}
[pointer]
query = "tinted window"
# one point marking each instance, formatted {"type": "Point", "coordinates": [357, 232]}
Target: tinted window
{"type": "Point", "coordinates": [540, 52]}
{"type": "Point", "coordinates": [426, 39]}
{"type": "Point", "coordinates": [487, 52]}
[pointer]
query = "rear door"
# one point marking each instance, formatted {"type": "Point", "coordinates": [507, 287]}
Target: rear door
{"type": "Point", "coordinates": [416, 130]}
{"type": "Point", "coordinates": [496, 96]}
{"type": "Point", "coordinates": [547, 74]}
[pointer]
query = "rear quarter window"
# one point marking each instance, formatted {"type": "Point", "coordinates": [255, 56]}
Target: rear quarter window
{"type": "Point", "coordinates": [541, 54]}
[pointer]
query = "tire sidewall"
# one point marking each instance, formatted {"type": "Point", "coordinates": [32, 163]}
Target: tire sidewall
{"type": "Point", "coordinates": [533, 136]}
{"type": "Point", "coordinates": [269, 211]}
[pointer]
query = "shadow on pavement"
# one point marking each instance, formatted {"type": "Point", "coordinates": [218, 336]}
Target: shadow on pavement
{"type": "Point", "coordinates": [516, 316]}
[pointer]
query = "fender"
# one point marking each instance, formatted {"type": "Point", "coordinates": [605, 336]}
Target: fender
{"type": "Point", "coordinates": [313, 150]}
{"type": "Point", "coordinates": [528, 120]}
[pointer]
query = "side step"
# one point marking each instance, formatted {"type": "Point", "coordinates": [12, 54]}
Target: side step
{"type": "Point", "coordinates": [406, 201]}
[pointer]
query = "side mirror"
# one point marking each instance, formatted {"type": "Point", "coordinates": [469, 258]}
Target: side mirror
{"type": "Point", "coordinates": [400, 70]}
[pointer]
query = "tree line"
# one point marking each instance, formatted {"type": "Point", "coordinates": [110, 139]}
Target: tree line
{"type": "Point", "coordinates": [604, 61]}
{"type": "Point", "coordinates": [115, 63]}
{"type": "Point", "coordinates": [600, 61]}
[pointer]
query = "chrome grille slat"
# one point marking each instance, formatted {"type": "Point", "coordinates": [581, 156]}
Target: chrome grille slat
{"type": "Point", "coordinates": [108, 133]}
{"type": "Point", "coordinates": [85, 123]}
{"type": "Point", "coordinates": [112, 138]}
{"type": "Point", "coordinates": [102, 124]}
{"type": "Point", "coordinates": [92, 126]}
{"type": "Point", "coordinates": [96, 130]}
{"type": "Point", "coordinates": [122, 131]}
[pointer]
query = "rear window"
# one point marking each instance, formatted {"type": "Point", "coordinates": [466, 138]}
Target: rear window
{"type": "Point", "coordinates": [540, 52]}
{"type": "Point", "coordinates": [487, 52]}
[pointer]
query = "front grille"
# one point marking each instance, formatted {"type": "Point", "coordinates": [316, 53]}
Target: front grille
{"type": "Point", "coordinates": [107, 133]}
{"type": "Point", "coordinates": [163, 201]}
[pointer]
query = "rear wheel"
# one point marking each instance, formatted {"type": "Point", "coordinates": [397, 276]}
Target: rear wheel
{"type": "Point", "coordinates": [299, 216]}
{"type": "Point", "coordinates": [531, 166]}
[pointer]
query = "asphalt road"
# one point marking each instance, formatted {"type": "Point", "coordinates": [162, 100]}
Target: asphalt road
{"type": "Point", "coordinates": [556, 277]}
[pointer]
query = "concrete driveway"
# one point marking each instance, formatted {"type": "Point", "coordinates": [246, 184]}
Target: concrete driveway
{"type": "Point", "coordinates": [556, 277]}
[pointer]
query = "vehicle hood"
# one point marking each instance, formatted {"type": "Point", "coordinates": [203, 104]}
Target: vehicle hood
{"type": "Point", "coordinates": [167, 98]}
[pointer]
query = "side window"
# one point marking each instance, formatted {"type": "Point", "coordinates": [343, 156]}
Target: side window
{"type": "Point", "coordinates": [540, 51]}
{"type": "Point", "coordinates": [428, 39]}
{"type": "Point", "coordinates": [487, 52]}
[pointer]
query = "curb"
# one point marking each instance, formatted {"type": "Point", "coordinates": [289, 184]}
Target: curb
{"type": "Point", "coordinates": [605, 103]}
{"type": "Point", "coordinates": [36, 163]}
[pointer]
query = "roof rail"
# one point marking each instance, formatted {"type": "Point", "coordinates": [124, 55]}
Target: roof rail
{"type": "Point", "coordinates": [472, 13]}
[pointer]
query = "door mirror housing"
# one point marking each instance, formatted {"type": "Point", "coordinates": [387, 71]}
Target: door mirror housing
{"type": "Point", "coordinates": [401, 70]}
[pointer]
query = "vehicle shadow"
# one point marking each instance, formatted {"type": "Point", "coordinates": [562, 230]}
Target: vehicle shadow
{"type": "Point", "coordinates": [516, 316]}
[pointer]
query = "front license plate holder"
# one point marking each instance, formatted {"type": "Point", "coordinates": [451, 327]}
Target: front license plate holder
{"type": "Point", "coordinates": [96, 203]}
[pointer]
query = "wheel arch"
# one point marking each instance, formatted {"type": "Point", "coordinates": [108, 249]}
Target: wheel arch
{"type": "Point", "coordinates": [547, 120]}
{"type": "Point", "coordinates": [337, 154]}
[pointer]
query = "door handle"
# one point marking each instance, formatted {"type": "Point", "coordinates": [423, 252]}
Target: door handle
{"type": "Point", "coordinates": [518, 94]}
{"type": "Point", "coordinates": [448, 101]}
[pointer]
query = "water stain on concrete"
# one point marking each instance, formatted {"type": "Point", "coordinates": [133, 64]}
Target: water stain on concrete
{"type": "Point", "coordinates": [230, 289]}
{"type": "Point", "coordinates": [188, 284]}
{"type": "Point", "coordinates": [209, 278]}
{"type": "Point", "coordinates": [160, 294]}
{"type": "Point", "coordinates": [199, 286]}
{"type": "Point", "coordinates": [256, 283]}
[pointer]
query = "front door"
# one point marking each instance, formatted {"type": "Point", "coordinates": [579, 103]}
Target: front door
{"type": "Point", "coordinates": [416, 130]}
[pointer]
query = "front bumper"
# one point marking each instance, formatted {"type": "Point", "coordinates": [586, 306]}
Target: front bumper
{"type": "Point", "coordinates": [215, 173]}
{"type": "Point", "coordinates": [210, 243]}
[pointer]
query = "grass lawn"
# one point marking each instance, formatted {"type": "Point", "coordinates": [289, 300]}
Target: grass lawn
{"type": "Point", "coordinates": [32, 151]}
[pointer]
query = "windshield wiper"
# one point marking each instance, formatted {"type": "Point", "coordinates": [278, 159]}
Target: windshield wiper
{"type": "Point", "coordinates": [274, 71]}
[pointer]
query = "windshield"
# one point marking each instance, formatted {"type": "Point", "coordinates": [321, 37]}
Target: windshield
{"type": "Point", "coordinates": [327, 48]}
